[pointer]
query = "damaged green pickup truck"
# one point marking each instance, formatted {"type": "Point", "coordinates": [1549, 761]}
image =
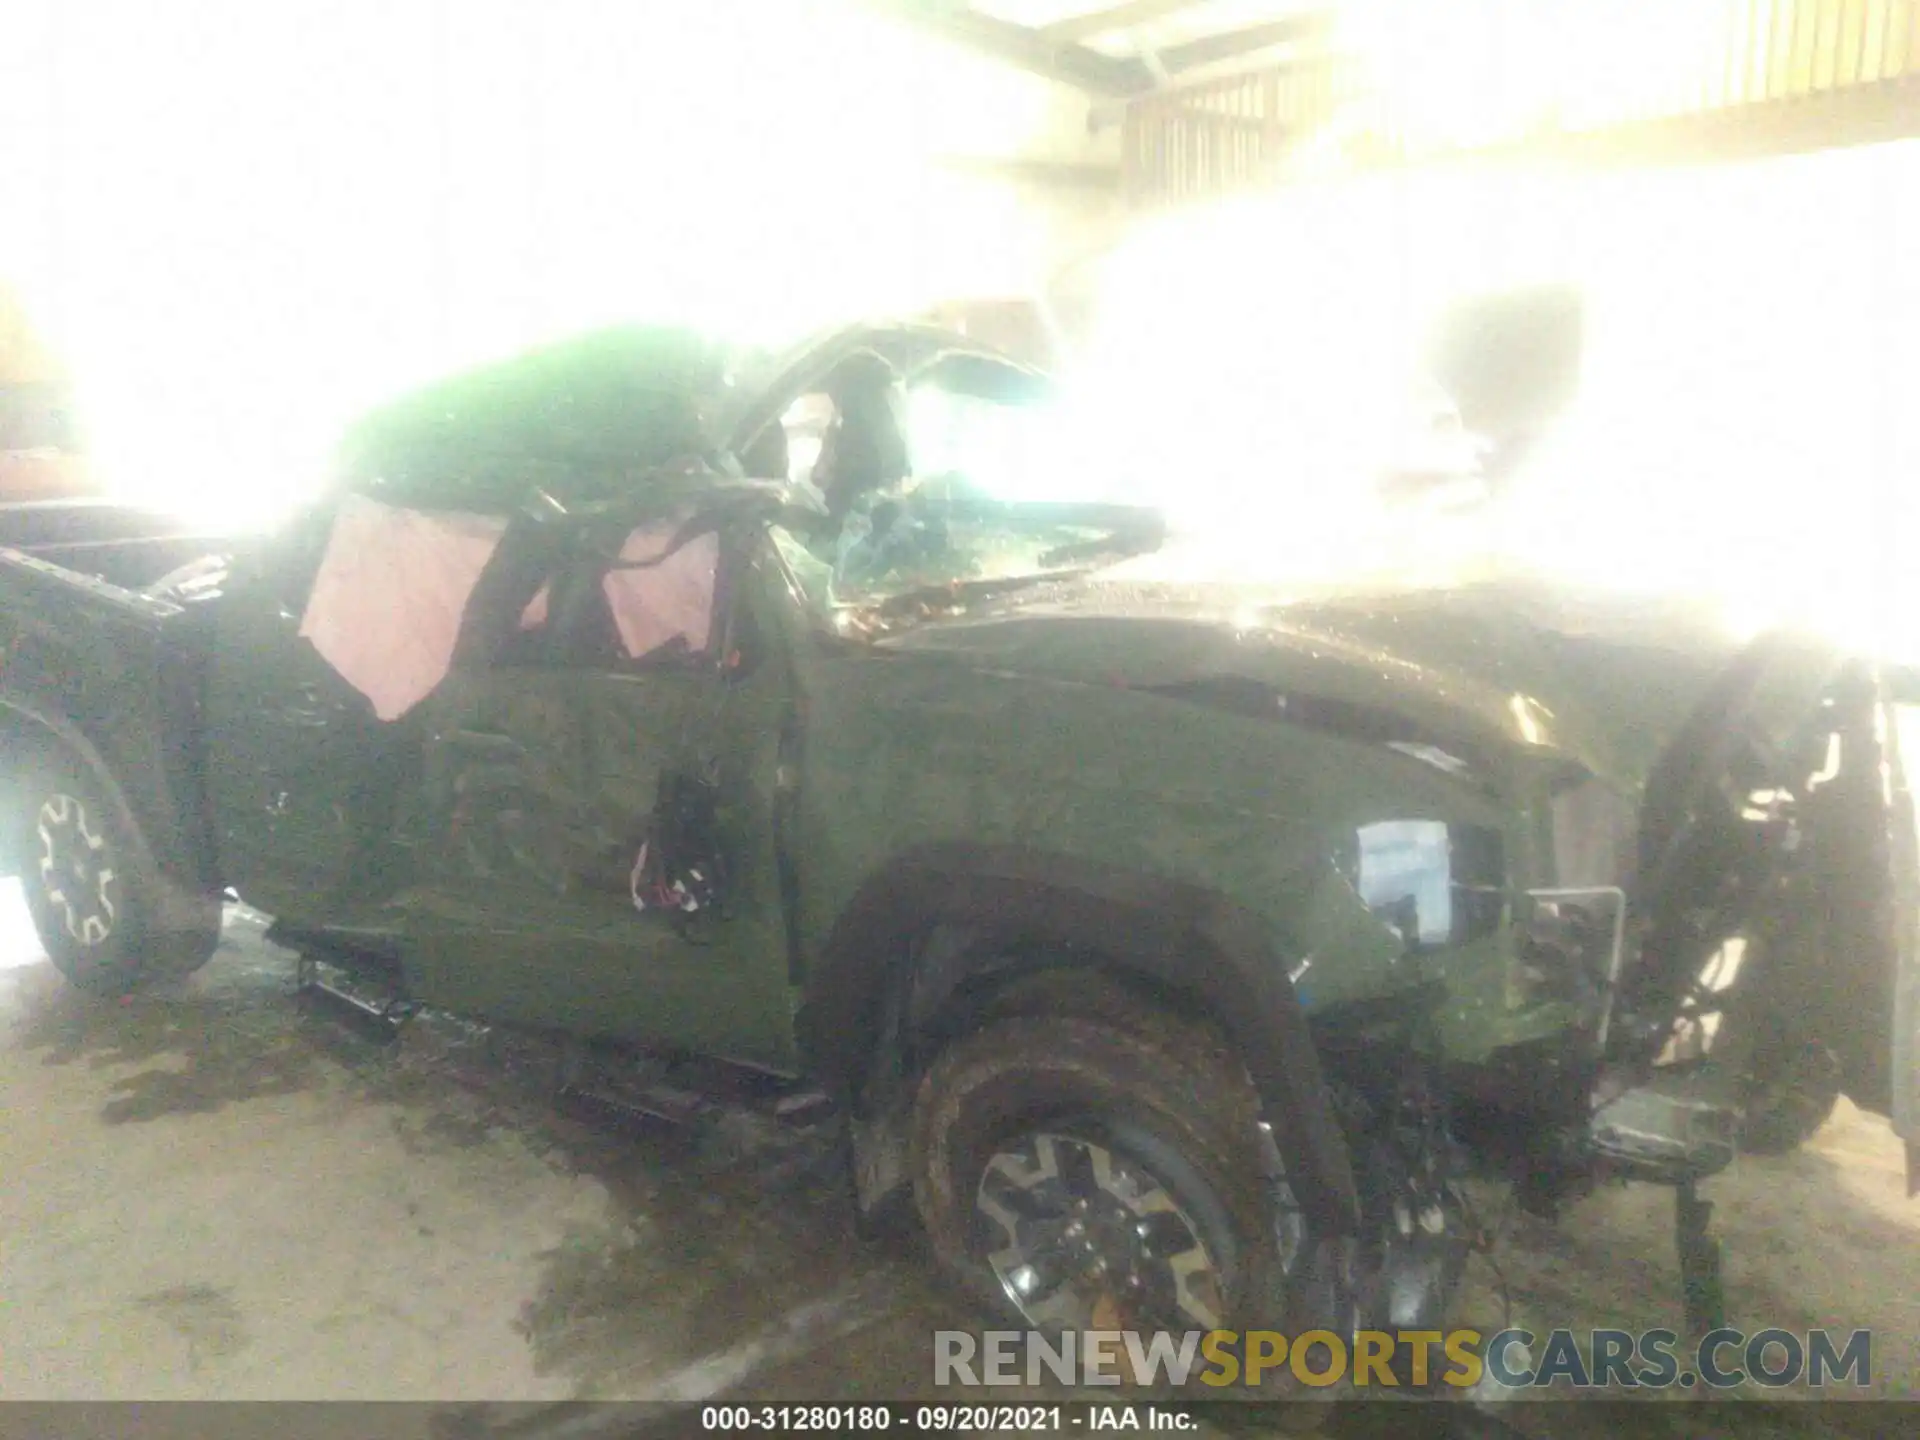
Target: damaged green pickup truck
{"type": "Point", "coordinates": [1174, 946]}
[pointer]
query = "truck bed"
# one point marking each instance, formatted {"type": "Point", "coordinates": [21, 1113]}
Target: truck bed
{"type": "Point", "coordinates": [129, 545]}
{"type": "Point", "coordinates": [115, 673]}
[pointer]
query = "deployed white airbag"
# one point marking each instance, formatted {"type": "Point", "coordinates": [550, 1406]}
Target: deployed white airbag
{"type": "Point", "coordinates": [387, 603]}
{"type": "Point", "coordinates": [386, 606]}
{"type": "Point", "coordinates": [674, 598]}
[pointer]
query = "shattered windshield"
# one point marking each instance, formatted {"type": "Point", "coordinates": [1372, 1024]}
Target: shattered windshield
{"type": "Point", "coordinates": [945, 489]}
{"type": "Point", "coordinates": [954, 485]}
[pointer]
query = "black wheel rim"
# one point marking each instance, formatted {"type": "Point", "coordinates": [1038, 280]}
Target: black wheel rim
{"type": "Point", "coordinates": [1082, 1236]}
{"type": "Point", "coordinates": [77, 876]}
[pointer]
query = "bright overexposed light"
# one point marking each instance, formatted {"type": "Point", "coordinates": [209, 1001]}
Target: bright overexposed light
{"type": "Point", "coordinates": [1749, 334]}
{"type": "Point", "coordinates": [243, 227]}
{"type": "Point", "coordinates": [1738, 427]}
{"type": "Point", "coordinates": [1478, 72]}
{"type": "Point", "coordinates": [1252, 368]}
{"type": "Point", "coordinates": [19, 945]}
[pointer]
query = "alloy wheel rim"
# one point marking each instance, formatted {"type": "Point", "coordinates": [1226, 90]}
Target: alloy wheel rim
{"type": "Point", "coordinates": [1083, 1237]}
{"type": "Point", "coordinates": [76, 871]}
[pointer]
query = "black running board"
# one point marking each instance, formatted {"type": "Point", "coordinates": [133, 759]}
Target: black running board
{"type": "Point", "coordinates": [380, 1013]}
{"type": "Point", "coordinates": [646, 1104]}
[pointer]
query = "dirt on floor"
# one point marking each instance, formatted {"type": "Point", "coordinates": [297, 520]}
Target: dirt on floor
{"type": "Point", "coordinates": [216, 1193]}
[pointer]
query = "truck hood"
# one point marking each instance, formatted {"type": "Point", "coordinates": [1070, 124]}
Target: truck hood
{"type": "Point", "coordinates": [1602, 679]}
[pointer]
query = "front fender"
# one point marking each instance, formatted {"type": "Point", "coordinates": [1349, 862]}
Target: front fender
{"type": "Point", "coordinates": [1180, 936]}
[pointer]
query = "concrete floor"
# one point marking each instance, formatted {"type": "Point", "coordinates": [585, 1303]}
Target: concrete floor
{"type": "Point", "coordinates": [212, 1193]}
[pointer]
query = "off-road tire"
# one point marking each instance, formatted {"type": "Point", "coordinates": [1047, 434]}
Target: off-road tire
{"type": "Point", "coordinates": [1159, 1089]}
{"type": "Point", "coordinates": [101, 927]}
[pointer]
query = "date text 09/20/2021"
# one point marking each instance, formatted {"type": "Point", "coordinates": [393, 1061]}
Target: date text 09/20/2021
{"type": "Point", "coordinates": [942, 1419]}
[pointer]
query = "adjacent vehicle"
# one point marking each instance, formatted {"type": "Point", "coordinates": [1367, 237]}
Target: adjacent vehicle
{"type": "Point", "coordinates": [1174, 946]}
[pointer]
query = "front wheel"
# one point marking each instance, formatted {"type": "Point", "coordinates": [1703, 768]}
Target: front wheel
{"type": "Point", "coordinates": [96, 898]}
{"type": "Point", "coordinates": [1075, 1175]}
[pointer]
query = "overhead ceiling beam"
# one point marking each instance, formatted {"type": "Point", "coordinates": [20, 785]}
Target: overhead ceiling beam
{"type": "Point", "coordinates": [1106, 76]}
{"type": "Point", "coordinates": [1110, 111]}
{"type": "Point", "coordinates": [1075, 28]}
{"type": "Point", "coordinates": [1232, 44]}
{"type": "Point", "coordinates": [1023, 47]}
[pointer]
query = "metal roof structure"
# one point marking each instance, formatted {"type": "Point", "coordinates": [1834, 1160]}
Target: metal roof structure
{"type": "Point", "coordinates": [1124, 49]}
{"type": "Point", "coordinates": [1218, 95]}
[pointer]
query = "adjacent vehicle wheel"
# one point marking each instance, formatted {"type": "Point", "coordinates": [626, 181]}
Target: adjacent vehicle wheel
{"type": "Point", "coordinates": [95, 896]}
{"type": "Point", "coordinates": [1074, 1174]}
{"type": "Point", "coordinates": [1792, 1089]}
